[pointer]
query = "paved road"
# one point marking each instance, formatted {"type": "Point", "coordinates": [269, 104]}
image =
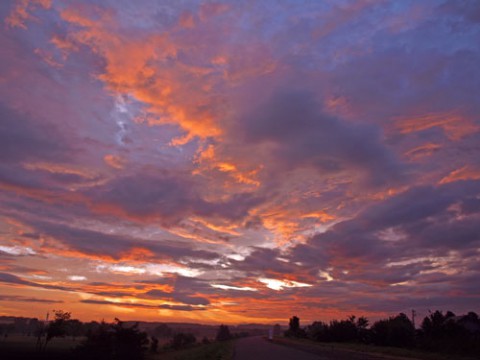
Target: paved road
{"type": "Point", "coordinates": [258, 348]}
{"type": "Point", "coordinates": [253, 348]}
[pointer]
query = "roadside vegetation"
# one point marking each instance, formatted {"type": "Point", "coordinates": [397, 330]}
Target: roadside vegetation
{"type": "Point", "coordinates": [66, 338]}
{"type": "Point", "coordinates": [440, 336]}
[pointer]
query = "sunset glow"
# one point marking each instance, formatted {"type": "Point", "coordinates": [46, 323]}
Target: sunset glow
{"type": "Point", "coordinates": [239, 161]}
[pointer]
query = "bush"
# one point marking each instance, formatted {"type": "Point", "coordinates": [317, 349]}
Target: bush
{"type": "Point", "coordinates": [223, 333]}
{"type": "Point", "coordinates": [349, 330]}
{"type": "Point", "coordinates": [396, 331]}
{"type": "Point", "coordinates": [182, 340]}
{"type": "Point", "coordinates": [113, 342]}
{"type": "Point", "coordinates": [450, 333]}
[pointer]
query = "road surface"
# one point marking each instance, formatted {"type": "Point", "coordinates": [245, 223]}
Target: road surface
{"type": "Point", "coordinates": [258, 348]}
{"type": "Point", "coordinates": [253, 348]}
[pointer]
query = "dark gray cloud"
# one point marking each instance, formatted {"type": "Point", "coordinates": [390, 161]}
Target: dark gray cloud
{"type": "Point", "coordinates": [157, 293]}
{"type": "Point", "coordinates": [268, 263]}
{"type": "Point", "coordinates": [145, 306]}
{"type": "Point", "coordinates": [15, 280]}
{"type": "Point", "coordinates": [22, 137]}
{"type": "Point", "coordinates": [185, 290]}
{"type": "Point", "coordinates": [464, 9]}
{"type": "Point", "coordinates": [180, 295]}
{"type": "Point", "coordinates": [402, 236]}
{"type": "Point", "coordinates": [171, 195]}
{"type": "Point", "coordinates": [98, 243]}
{"type": "Point", "coordinates": [28, 299]}
{"type": "Point", "coordinates": [303, 134]}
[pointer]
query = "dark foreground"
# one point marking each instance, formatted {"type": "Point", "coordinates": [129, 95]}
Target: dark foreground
{"type": "Point", "coordinates": [283, 349]}
{"type": "Point", "coordinates": [259, 348]}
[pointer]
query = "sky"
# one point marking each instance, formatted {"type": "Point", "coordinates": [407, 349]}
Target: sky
{"type": "Point", "coordinates": [239, 161]}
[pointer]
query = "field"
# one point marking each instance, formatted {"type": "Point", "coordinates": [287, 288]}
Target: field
{"type": "Point", "coordinates": [18, 347]}
{"type": "Point", "coordinates": [24, 347]}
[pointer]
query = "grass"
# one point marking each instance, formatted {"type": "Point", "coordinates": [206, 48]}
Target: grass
{"type": "Point", "coordinates": [213, 351]}
{"type": "Point", "coordinates": [391, 352]}
{"type": "Point", "coordinates": [24, 347]}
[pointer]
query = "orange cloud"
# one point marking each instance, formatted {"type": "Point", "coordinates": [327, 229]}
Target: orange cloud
{"type": "Point", "coordinates": [63, 44]}
{"type": "Point", "coordinates": [237, 175]}
{"type": "Point", "coordinates": [422, 151]}
{"type": "Point", "coordinates": [133, 66]}
{"type": "Point", "coordinates": [323, 216]}
{"type": "Point", "coordinates": [226, 228]}
{"type": "Point", "coordinates": [454, 125]}
{"type": "Point", "coordinates": [187, 20]}
{"type": "Point", "coordinates": [134, 255]}
{"type": "Point", "coordinates": [115, 161]}
{"type": "Point", "coordinates": [137, 254]}
{"type": "Point", "coordinates": [20, 13]}
{"type": "Point", "coordinates": [464, 173]}
{"type": "Point", "coordinates": [44, 195]}
{"type": "Point", "coordinates": [60, 169]}
{"type": "Point", "coordinates": [48, 58]}
{"type": "Point", "coordinates": [254, 61]}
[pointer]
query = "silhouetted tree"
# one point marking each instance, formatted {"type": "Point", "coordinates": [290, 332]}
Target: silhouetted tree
{"type": "Point", "coordinates": [349, 330]}
{"type": "Point", "coordinates": [342, 331]}
{"type": "Point", "coordinates": [294, 324]}
{"type": "Point", "coordinates": [57, 327]}
{"type": "Point", "coordinates": [317, 331]}
{"type": "Point", "coordinates": [182, 340]}
{"type": "Point", "coordinates": [223, 333]}
{"type": "Point", "coordinates": [129, 342]}
{"type": "Point", "coordinates": [99, 343]}
{"type": "Point", "coordinates": [439, 332]}
{"type": "Point", "coordinates": [438, 326]}
{"type": "Point", "coordinates": [471, 322]}
{"type": "Point", "coordinates": [74, 328]}
{"type": "Point", "coordinates": [363, 333]}
{"type": "Point", "coordinates": [396, 331]}
{"type": "Point", "coordinates": [294, 329]}
{"type": "Point", "coordinates": [113, 342]}
{"type": "Point", "coordinates": [450, 333]}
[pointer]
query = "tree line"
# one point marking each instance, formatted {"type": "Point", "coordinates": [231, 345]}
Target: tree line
{"type": "Point", "coordinates": [439, 332]}
{"type": "Point", "coordinates": [105, 341]}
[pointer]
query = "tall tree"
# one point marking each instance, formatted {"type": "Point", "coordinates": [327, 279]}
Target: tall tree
{"type": "Point", "coordinates": [57, 327]}
{"type": "Point", "coordinates": [223, 333]}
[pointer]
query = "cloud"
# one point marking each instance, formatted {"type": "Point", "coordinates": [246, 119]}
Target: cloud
{"type": "Point", "coordinates": [140, 305]}
{"type": "Point", "coordinates": [305, 136]}
{"type": "Point", "coordinates": [174, 154]}
{"type": "Point", "coordinates": [422, 230]}
{"type": "Point", "coordinates": [20, 13]}
{"type": "Point", "coordinates": [23, 138]}
{"type": "Point", "coordinates": [15, 280]}
{"type": "Point", "coordinates": [172, 196]}
{"type": "Point", "coordinates": [95, 243]}
{"type": "Point", "coordinates": [16, 298]}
